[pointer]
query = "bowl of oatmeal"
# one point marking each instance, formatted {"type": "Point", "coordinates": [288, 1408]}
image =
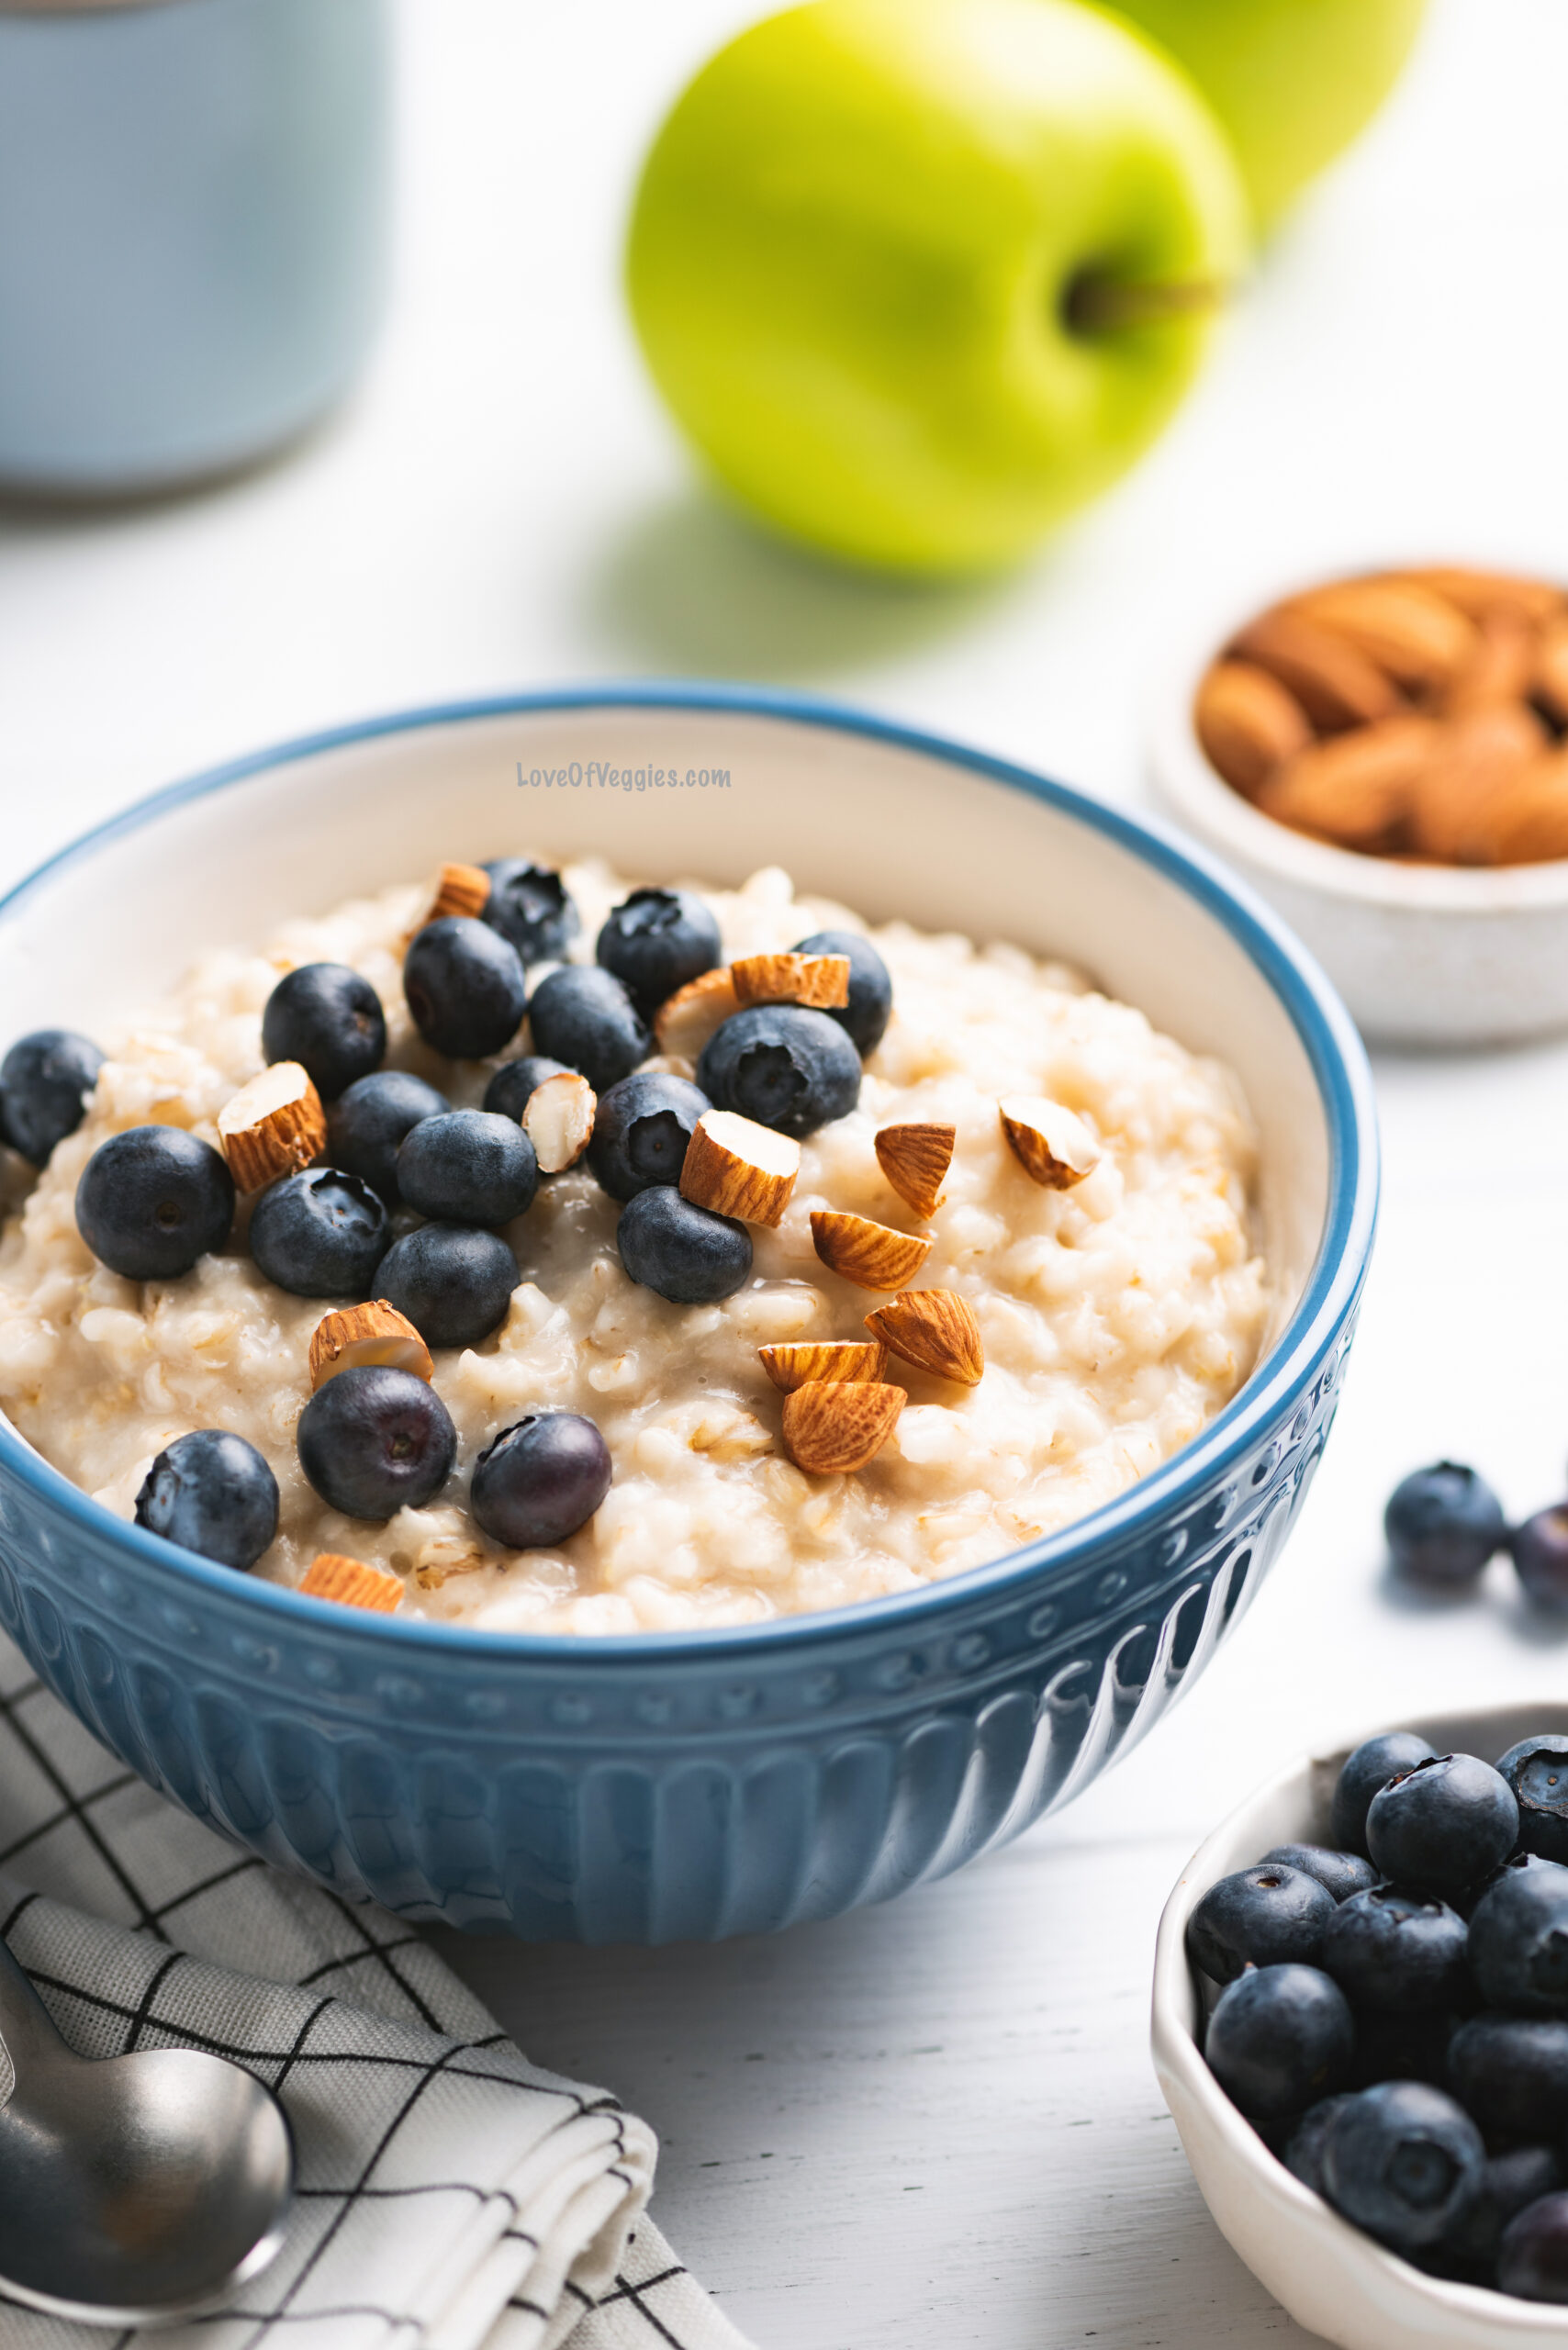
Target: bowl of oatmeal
{"type": "Point", "coordinates": [844, 1450]}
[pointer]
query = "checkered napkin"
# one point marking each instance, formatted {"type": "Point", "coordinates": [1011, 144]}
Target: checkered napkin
{"type": "Point", "coordinates": [451, 2196]}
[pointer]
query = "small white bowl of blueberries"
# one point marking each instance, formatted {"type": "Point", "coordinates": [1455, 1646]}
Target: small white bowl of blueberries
{"type": "Point", "coordinates": [1360, 2025]}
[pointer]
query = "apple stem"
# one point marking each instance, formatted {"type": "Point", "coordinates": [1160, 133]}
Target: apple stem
{"type": "Point", "coordinates": [1102, 305]}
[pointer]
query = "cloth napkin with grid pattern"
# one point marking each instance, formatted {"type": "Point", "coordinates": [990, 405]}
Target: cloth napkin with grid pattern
{"type": "Point", "coordinates": [451, 2196]}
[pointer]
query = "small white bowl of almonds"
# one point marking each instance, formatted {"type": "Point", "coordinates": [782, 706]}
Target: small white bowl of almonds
{"type": "Point", "coordinates": [1386, 757]}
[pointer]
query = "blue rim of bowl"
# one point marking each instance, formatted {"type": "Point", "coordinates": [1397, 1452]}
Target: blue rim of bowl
{"type": "Point", "coordinates": [1327, 1034]}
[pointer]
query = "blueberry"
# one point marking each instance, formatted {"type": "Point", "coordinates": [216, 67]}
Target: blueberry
{"type": "Point", "coordinates": [370, 1118]}
{"type": "Point", "coordinates": [786, 1067]}
{"type": "Point", "coordinates": [1260, 1917]}
{"type": "Point", "coordinates": [1371, 1766]}
{"type": "Point", "coordinates": [1303, 2148]}
{"type": "Point", "coordinates": [865, 1017]}
{"type": "Point", "coordinates": [687, 1254]}
{"type": "Point", "coordinates": [454, 1284]}
{"type": "Point", "coordinates": [1443, 1824]}
{"type": "Point", "coordinates": [1387, 1949]}
{"type": "Point", "coordinates": [1519, 1942]}
{"type": "Point", "coordinates": [657, 940]}
{"type": "Point", "coordinates": [1511, 2072]}
{"type": "Point", "coordinates": [213, 1492]}
{"type": "Point", "coordinates": [529, 904]}
{"type": "Point", "coordinates": [1512, 2182]}
{"type": "Point", "coordinates": [506, 1096]}
{"type": "Point", "coordinates": [1442, 1523]}
{"type": "Point", "coordinates": [586, 1018]}
{"type": "Point", "coordinates": [1532, 2258]}
{"type": "Point", "coordinates": [1537, 1770]}
{"type": "Point", "coordinates": [465, 986]}
{"type": "Point", "coordinates": [327, 1016]}
{"type": "Point", "coordinates": [641, 1131]}
{"type": "Point", "coordinates": [1404, 2161]}
{"type": "Point", "coordinates": [1398, 2047]}
{"type": "Point", "coordinates": [1279, 2038]}
{"type": "Point", "coordinates": [1539, 1549]}
{"type": "Point", "coordinates": [152, 1201]}
{"type": "Point", "coordinates": [1342, 1873]}
{"type": "Point", "coordinates": [468, 1167]}
{"type": "Point", "coordinates": [320, 1234]}
{"type": "Point", "coordinates": [540, 1480]}
{"type": "Point", "coordinates": [45, 1080]}
{"type": "Point", "coordinates": [375, 1440]}
{"type": "Point", "coordinates": [1511, 1867]}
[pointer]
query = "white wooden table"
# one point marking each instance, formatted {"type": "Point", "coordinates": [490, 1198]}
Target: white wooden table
{"type": "Point", "coordinates": [934, 2124]}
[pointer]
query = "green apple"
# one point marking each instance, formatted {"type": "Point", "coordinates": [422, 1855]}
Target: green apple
{"type": "Point", "coordinates": [919, 278]}
{"type": "Point", "coordinates": [1293, 81]}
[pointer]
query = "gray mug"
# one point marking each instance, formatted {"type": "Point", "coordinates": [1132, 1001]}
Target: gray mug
{"type": "Point", "coordinates": [193, 228]}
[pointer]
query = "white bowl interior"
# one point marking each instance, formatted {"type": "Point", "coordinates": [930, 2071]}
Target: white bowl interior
{"type": "Point", "coordinates": [887, 830]}
{"type": "Point", "coordinates": [1333, 2279]}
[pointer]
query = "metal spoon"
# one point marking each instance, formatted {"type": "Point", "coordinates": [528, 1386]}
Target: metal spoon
{"type": "Point", "coordinates": [132, 2189]}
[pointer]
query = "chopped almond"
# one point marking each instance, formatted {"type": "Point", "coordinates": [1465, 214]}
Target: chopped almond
{"type": "Point", "coordinates": [842, 1360]}
{"type": "Point", "coordinates": [274, 1126]}
{"type": "Point", "coordinates": [833, 1427]}
{"type": "Point", "coordinates": [351, 1583]}
{"type": "Point", "coordinates": [873, 1255]}
{"type": "Point", "coordinates": [935, 1329]}
{"type": "Point", "coordinates": [557, 1118]}
{"type": "Point", "coordinates": [686, 1020]}
{"type": "Point", "coordinates": [355, 1338]}
{"type": "Point", "coordinates": [459, 890]}
{"type": "Point", "coordinates": [738, 1167]}
{"type": "Point", "coordinates": [915, 1159]}
{"type": "Point", "coordinates": [1049, 1143]}
{"type": "Point", "coordinates": [820, 981]}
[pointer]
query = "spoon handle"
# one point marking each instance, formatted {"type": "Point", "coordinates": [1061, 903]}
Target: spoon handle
{"type": "Point", "coordinates": [26, 2034]}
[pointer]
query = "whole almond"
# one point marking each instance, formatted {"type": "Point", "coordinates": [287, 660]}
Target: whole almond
{"type": "Point", "coordinates": [273, 1126]}
{"type": "Point", "coordinates": [1248, 723]}
{"type": "Point", "coordinates": [1356, 789]}
{"type": "Point", "coordinates": [737, 1168]}
{"type": "Point", "coordinates": [686, 1020]}
{"type": "Point", "coordinates": [1407, 629]}
{"type": "Point", "coordinates": [1526, 821]}
{"type": "Point", "coordinates": [832, 1427]}
{"type": "Point", "coordinates": [843, 1360]}
{"type": "Point", "coordinates": [557, 1118]}
{"type": "Point", "coordinates": [874, 1256]}
{"type": "Point", "coordinates": [935, 1329]}
{"type": "Point", "coordinates": [1332, 679]}
{"type": "Point", "coordinates": [915, 1158]}
{"type": "Point", "coordinates": [1474, 759]}
{"type": "Point", "coordinates": [351, 1583]}
{"type": "Point", "coordinates": [352, 1337]}
{"type": "Point", "coordinates": [1552, 669]}
{"type": "Point", "coordinates": [819, 981]}
{"type": "Point", "coordinates": [1476, 593]}
{"type": "Point", "coordinates": [1051, 1143]}
{"type": "Point", "coordinates": [1501, 669]}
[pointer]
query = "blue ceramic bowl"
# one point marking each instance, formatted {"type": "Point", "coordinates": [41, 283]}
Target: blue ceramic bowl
{"type": "Point", "coordinates": [657, 1787]}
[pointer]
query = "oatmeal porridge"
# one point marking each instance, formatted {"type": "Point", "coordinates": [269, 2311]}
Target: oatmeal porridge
{"type": "Point", "coordinates": [1062, 1191]}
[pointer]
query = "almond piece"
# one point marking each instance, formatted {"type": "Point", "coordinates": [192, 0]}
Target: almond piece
{"type": "Point", "coordinates": [1474, 758]}
{"type": "Point", "coordinates": [1248, 723]}
{"type": "Point", "coordinates": [1332, 678]}
{"type": "Point", "coordinates": [935, 1329]}
{"type": "Point", "coordinates": [459, 890]}
{"type": "Point", "coordinates": [820, 980]}
{"type": "Point", "coordinates": [737, 1168]}
{"type": "Point", "coordinates": [1526, 822]}
{"type": "Point", "coordinates": [831, 1426]}
{"type": "Point", "coordinates": [686, 1020]}
{"type": "Point", "coordinates": [1356, 789]}
{"type": "Point", "coordinates": [1552, 669]}
{"type": "Point", "coordinates": [1476, 593]}
{"type": "Point", "coordinates": [1408, 629]}
{"type": "Point", "coordinates": [351, 1583]}
{"type": "Point", "coordinates": [874, 1256]}
{"type": "Point", "coordinates": [829, 1360]}
{"type": "Point", "coordinates": [352, 1337]}
{"type": "Point", "coordinates": [915, 1159]}
{"type": "Point", "coordinates": [273, 1125]}
{"type": "Point", "coordinates": [1049, 1143]}
{"type": "Point", "coordinates": [1501, 667]}
{"type": "Point", "coordinates": [557, 1118]}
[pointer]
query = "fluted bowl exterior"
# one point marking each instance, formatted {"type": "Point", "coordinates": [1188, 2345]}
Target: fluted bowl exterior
{"type": "Point", "coordinates": [661, 1787]}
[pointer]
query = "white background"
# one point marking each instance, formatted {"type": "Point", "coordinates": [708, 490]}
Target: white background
{"type": "Point", "coordinates": [932, 2125]}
